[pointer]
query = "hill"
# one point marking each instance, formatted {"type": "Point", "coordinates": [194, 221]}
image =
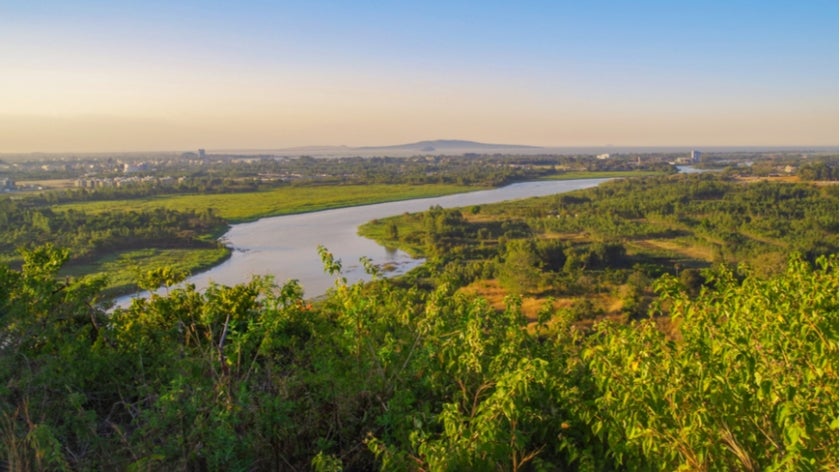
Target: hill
{"type": "Point", "coordinates": [436, 146]}
{"type": "Point", "coordinates": [451, 145]}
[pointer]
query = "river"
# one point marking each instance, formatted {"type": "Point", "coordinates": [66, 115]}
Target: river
{"type": "Point", "coordinates": [286, 246]}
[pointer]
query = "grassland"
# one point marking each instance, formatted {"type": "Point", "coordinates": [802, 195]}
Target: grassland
{"type": "Point", "coordinates": [124, 268]}
{"type": "Point", "coordinates": [242, 207]}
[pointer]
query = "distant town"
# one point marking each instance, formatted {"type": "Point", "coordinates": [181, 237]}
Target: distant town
{"type": "Point", "coordinates": [20, 173]}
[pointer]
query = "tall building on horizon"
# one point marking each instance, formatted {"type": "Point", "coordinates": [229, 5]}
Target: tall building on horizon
{"type": "Point", "coordinates": [202, 154]}
{"type": "Point", "coordinates": [695, 155]}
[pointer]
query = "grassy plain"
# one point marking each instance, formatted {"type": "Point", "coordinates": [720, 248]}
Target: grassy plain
{"type": "Point", "coordinates": [241, 207]}
{"type": "Point", "coordinates": [123, 269]}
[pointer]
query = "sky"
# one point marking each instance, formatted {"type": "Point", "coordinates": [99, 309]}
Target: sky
{"type": "Point", "coordinates": [157, 75]}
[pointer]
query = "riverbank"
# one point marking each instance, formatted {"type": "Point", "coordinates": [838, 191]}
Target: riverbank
{"type": "Point", "coordinates": [251, 206]}
{"type": "Point", "coordinates": [286, 247]}
{"type": "Point", "coordinates": [123, 268]}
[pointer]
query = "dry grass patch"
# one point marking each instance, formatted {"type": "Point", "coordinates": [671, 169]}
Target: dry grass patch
{"type": "Point", "coordinates": [691, 251]}
{"type": "Point", "coordinates": [574, 237]}
{"type": "Point", "coordinates": [495, 294]}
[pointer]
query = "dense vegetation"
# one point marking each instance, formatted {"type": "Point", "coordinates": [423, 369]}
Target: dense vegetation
{"type": "Point", "coordinates": [96, 240]}
{"type": "Point", "coordinates": [600, 248]}
{"type": "Point", "coordinates": [722, 354]}
{"type": "Point", "coordinates": [252, 377]}
{"type": "Point", "coordinates": [89, 234]}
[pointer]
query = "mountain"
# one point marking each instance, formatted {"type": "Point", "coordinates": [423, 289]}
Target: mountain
{"type": "Point", "coordinates": [449, 145]}
{"type": "Point", "coordinates": [437, 146]}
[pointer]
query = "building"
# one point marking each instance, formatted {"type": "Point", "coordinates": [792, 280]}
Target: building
{"type": "Point", "coordinates": [695, 156]}
{"type": "Point", "coordinates": [201, 154]}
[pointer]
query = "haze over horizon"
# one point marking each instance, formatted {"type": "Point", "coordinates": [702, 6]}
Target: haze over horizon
{"type": "Point", "coordinates": [97, 76]}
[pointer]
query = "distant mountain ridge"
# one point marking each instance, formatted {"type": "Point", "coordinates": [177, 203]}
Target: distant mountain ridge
{"type": "Point", "coordinates": [448, 144]}
{"type": "Point", "coordinates": [436, 146]}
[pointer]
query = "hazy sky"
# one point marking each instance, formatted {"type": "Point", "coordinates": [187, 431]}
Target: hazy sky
{"type": "Point", "coordinates": [111, 75]}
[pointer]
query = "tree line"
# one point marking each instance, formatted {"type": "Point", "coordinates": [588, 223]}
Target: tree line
{"type": "Point", "coordinates": [26, 224]}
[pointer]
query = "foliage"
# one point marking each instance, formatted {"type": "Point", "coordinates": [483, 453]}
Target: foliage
{"type": "Point", "coordinates": [724, 367]}
{"type": "Point", "coordinates": [820, 170]}
{"type": "Point", "coordinates": [520, 270]}
{"type": "Point", "coordinates": [124, 268]}
{"type": "Point", "coordinates": [375, 376]}
{"type": "Point", "coordinates": [750, 382]}
{"type": "Point", "coordinates": [606, 238]}
{"type": "Point", "coordinates": [89, 235]}
{"type": "Point", "coordinates": [115, 242]}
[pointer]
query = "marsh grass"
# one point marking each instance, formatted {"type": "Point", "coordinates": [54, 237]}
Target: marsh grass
{"type": "Point", "coordinates": [123, 269]}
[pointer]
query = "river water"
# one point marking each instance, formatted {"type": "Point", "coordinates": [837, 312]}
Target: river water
{"type": "Point", "coordinates": [286, 246]}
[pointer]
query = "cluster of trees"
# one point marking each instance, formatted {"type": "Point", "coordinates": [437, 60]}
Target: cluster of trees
{"type": "Point", "coordinates": [473, 169]}
{"type": "Point", "coordinates": [770, 163]}
{"type": "Point", "coordinates": [376, 376]}
{"type": "Point", "coordinates": [739, 220]}
{"type": "Point", "coordinates": [736, 218]}
{"type": "Point", "coordinates": [820, 170]}
{"type": "Point", "coordinates": [24, 224]}
{"type": "Point", "coordinates": [615, 237]}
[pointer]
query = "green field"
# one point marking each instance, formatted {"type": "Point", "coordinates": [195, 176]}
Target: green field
{"type": "Point", "coordinates": [241, 207]}
{"type": "Point", "coordinates": [123, 269]}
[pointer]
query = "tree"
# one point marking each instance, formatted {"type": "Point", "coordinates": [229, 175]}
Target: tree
{"type": "Point", "coordinates": [749, 383]}
{"type": "Point", "coordinates": [393, 231]}
{"type": "Point", "coordinates": [520, 270]}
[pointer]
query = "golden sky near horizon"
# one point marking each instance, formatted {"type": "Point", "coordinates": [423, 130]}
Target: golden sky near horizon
{"type": "Point", "coordinates": [93, 77]}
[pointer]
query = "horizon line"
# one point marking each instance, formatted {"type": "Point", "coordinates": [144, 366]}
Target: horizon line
{"type": "Point", "coordinates": [467, 143]}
